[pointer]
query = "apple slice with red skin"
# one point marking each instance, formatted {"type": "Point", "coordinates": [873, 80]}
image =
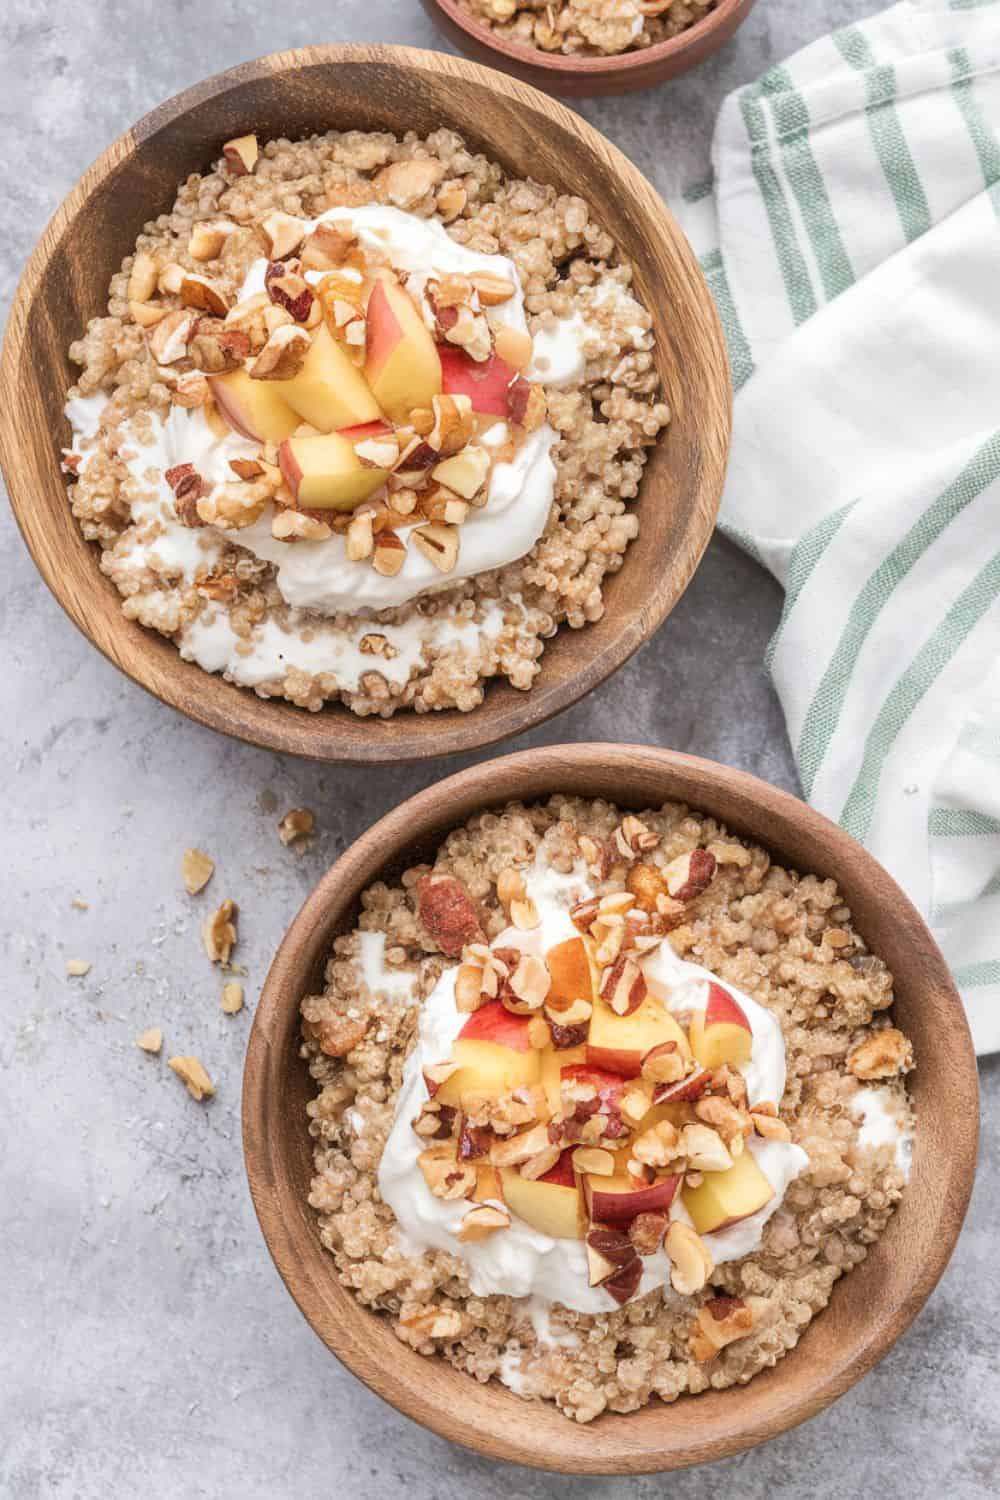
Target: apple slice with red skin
{"type": "Point", "coordinates": [493, 1056]}
{"type": "Point", "coordinates": [621, 1198]}
{"type": "Point", "coordinates": [485, 381]}
{"type": "Point", "coordinates": [401, 364]}
{"type": "Point", "coordinates": [619, 1043]}
{"type": "Point", "coordinates": [363, 430]}
{"type": "Point", "coordinates": [493, 1022]}
{"type": "Point", "coordinates": [552, 1203]}
{"type": "Point", "coordinates": [721, 1033]}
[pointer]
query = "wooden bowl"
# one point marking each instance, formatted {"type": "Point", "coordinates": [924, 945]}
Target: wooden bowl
{"type": "Point", "coordinates": [371, 88]}
{"type": "Point", "coordinates": [580, 77]}
{"type": "Point", "coordinates": [870, 1308]}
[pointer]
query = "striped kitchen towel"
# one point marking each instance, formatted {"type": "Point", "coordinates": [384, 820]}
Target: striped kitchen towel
{"type": "Point", "coordinates": [851, 237]}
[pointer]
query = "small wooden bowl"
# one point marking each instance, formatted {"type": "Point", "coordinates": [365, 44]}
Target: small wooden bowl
{"type": "Point", "coordinates": [582, 77]}
{"type": "Point", "coordinates": [370, 88]}
{"type": "Point", "coordinates": [870, 1308]}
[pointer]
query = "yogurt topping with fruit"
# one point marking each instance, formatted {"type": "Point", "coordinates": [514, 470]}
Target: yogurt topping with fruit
{"type": "Point", "coordinates": [585, 1116]}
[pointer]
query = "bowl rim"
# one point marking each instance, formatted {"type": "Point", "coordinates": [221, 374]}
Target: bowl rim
{"type": "Point", "coordinates": [419, 736]}
{"type": "Point", "coordinates": [532, 775]}
{"type": "Point", "coordinates": [619, 65]}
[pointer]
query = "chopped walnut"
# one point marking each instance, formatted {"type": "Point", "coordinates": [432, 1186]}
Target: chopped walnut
{"type": "Point", "coordinates": [720, 1321]}
{"type": "Point", "coordinates": [191, 1072]}
{"type": "Point", "coordinates": [296, 829]}
{"type": "Point", "coordinates": [445, 1175]}
{"type": "Point", "coordinates": [150, 1040]}
{"type": "Point", "coordinates": [218, 932]}
{"type": "Point", "coordinates": [884, 1054]}
{"type": "Point", "coordinates": [197, 870]}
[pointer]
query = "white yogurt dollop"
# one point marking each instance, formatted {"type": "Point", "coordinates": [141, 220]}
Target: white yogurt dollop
{"type": "Point", "coordinates": [519, 1261]}
{"type": "Point", "coordinates": [881, 1125]}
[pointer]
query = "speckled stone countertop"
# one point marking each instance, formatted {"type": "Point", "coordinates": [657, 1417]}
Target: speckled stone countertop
{"type": "Point", "coordinates": [147, 1346]}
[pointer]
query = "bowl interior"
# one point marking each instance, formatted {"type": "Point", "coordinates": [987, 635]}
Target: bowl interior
{"type": "Point", "coordinates": [398, 89]}
{"type": "Point", "coordinates": [869, 1309]}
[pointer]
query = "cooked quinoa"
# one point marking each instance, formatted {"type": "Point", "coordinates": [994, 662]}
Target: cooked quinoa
{"type": "Point", "coordinates": [588, 28]}
{"type": "Point", "coordinates": [605, 421]}
{"type": "Point", "coordinates": [785, 939]}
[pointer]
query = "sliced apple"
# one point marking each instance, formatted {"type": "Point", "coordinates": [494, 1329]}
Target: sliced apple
{"type": "Point", "coordinates": [621, 1198]}
{"type": "Point", "coordinates": [488, 1184]}
{"type": "Point", "coordinates": [493, 1054]}
{"type": "Point", "coordinates": [724, 1198]}
{"type": "Point", "coordinates": [619, 1043]}
{"type": "Point", "coordinates": [324, 472]}
{"type": "Point", "coordinates": [553, 1062]}
{"type": "Point", "coordinates": [570, 972]}
{"type": "Point", "coordinates": [329, 391]}
{"type": "Point", "coordinates": [254, 408]}
{"type": "Point", "coordinates": [402, 365]}
{"type": "Point", "coordinates": [721, 1032]}
{"type": "Point", "coordinates": [485, 381]}
{"type": "Point", "coordinates": [552, 1204]}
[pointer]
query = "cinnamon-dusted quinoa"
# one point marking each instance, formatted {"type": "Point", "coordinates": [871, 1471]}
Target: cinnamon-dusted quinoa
{"type": "Point", "coordinates": [589, 28]}
{"type": "Point", "coordinates": [785, 940]}
{"type": "Point", "coordinates": [493, 624]}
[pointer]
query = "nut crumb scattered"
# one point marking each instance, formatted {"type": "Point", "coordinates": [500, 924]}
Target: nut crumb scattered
{"type": "Point", "coordinates": [191, 1072]}
{"type": "Point", "coordinates": [197, 870]}
{"type": "Point", "coordinates": [80, 904]}
{"type": "Point", "coordinates": [297, 828]}
{"type": "Point", "coordinates": [77, 967]}
{"type": "Point", "coordinates": [150, 1040]}
{"type": "Point", "coordinates": [218, 933]}
{"type": "Point", "coordinates": [232, 998]}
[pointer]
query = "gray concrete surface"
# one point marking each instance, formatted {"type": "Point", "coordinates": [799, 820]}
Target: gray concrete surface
{"type": "Point", "coordinates": [147, 1346]}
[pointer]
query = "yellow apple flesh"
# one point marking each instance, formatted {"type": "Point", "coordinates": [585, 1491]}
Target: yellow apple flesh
{"type": "Point", "coordinates": [553, 1062]}
{"type": "Point", "coordinates": [254, 408]}
{"type": "Point", "coordinates": [552, 1204]}
{"type": "Point", "coordinates": [726, 1197]}
{"type": "Point", "coordinates": [486, 1068]}
{"type": "Point", "coordinates": [721, 1032]}
{"type": "Point", "coordinates": [619, 1043]}
{"type": "Point", "coordinates": [329, 391]}
{"type": "Point", "coordinates": [402, 366]}
{"type": "Point", "coordinates": [324, 473]}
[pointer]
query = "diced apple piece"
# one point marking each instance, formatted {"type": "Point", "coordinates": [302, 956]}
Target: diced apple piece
{"type": "Point", "coordinates": [619, 1043]}
{"type": "Point", "coordinates": [723, 1198]}
{"type": "Point", "coordinates": [621, 1198]}
{"type": "Point", "coordinates": [324, 472]}
{"type": "Point", "coordinates": [553, 1062]}
{"type": "Point", "coordinates": [552, 1204]}
{"type": "Point", "coordinates": [402, 365]}
{"type": "Point", "coordinates": [253, 408]}
{"type": "Point", "coordinates": [721, 1032]}
{"type": "Point", "coordinates": [488, 1184]}
{"type": "Point", "coordinates": [485, 381]}
{"type": "Point", "coordinates": [571, 973]}
{"type": "Point", "coordinates": [493, 1054]}
{"type": "Point", "coordinates": [329, 391]}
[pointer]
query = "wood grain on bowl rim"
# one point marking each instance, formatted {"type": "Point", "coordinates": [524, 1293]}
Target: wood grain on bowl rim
{"type": "Point", "coordinates": [581, 77]}
{"type": "Point", "coordinates": [870, 1308]}
{"type": "Point", "coordinates": [66, 280]}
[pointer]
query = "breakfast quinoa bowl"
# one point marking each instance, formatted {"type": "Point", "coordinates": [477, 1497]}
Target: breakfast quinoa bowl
{"type": "Point", "coordinates": [364, 421]}
{"type": "Point", "coordinates": [588, 28]}
{"type": "Point", "coordinates": [605, 1103]}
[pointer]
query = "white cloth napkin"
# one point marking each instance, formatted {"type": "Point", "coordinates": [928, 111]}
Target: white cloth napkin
{"type": "Point", "coordinates": [851, 237]}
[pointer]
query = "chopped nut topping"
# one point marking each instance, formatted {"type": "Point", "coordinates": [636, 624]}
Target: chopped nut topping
{"type": "Point", "coordinates": [327, 247]}
{"type": "Point", "coordinates": [447, 911]}
{"type": "Point", "coordinates": [218, 933]}
{"type": "Point", "coordinates": [663, 1064]}
{"type": "Point", "coordinates": [720, 1321]}
{"type": "Point", "coordinates": [624, 986]}
{"type": "Point", "coordinates": [404, 183]}
{"type": "Point", "coordinates": [464, 472]}
{"type": "Point", "coordinates": [704, 1149]}
{"type": "Point", "coordinates": [336, 1034]}
{"type": "Point", "coordinates": [207, 240]}
{"type": "Point", "coordinates": [150, 1040]}
{"type": "Point", "coordinates": [196, 870]}
{"type": "Point", "coordinates": [240, 155]}
{"type": "Point", "coordinates": [389, 555]}
{"type": "Point", "coordinates": [691, 1260]}
{"type": "Point", "coordinates": [191, 1072]}
{"type": "Point", "coordinates": [658, 1146]}
{"type": "Point", "coordinates": [169, 339]}
{"type": "Point", "coordinates": [482, 1221]}
{"type": "Point", "coordinates": [360, 537]}
{"type": "Point", "coordinates": [524, 914]}
{"type": "Point", "coordinates": [689, 875]}
{"type": "Point", "coordinates": [296, 828]}
{"type": "Point", "coordinates": [283, 356]}
{"type": "Point", "coordinates": [232, 998]}
{"type": "Point", "coordinates": [514, 347]}
{"type": "Point", "coordinates": [526, 404]}
{"type": "Point", "coordinates": [438, 542]}
{"type": "Point", "coordinates": [632, 837]}
{"type": "Point", "coordinates": [293, 526]}
{"type": "Point", "coordinates": [143, 277]}
{"type": "Point", "coordinates": [770, 1129]}
{"type": "Point", "coordinates": [884, 1054]}
{"type": "Point", "coordinates": [595, 1160]}
{"type": "Point", "coordinates": [445, 1175]}
{"type": "Point", "coordinates": [646, 1232]}
{"type": "Point", "coordinates": [436, 1323]}
{"type": "Point", "coordinates": [203, 295]}
{"type": "Point", "coordinates": [282, 234]}
{"type": "Point", "coordinates": [517, 1149]}
{"type": "Point", "coordinates": [528, 986]}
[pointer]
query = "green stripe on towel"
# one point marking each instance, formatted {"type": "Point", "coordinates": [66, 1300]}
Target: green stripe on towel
{"type": "Point", "coordinates": [981, 133]}
{"type": "Point", "coordinates": [824, 711]}
{"type": "Point", "coordinates": [887, 132]}
{"type": "Point", "coordinates": [972, 975]}
{"type": "Point", "coordinates": [960, 822]}
{"type": "Point", "coordinates": [794, 271]}
{"type": "Point", "coordinates": [928, 664]}
{"type": "Point", "coordinates": [808, 551]}
{"type": "Point", "coordinates": [740, 357]}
